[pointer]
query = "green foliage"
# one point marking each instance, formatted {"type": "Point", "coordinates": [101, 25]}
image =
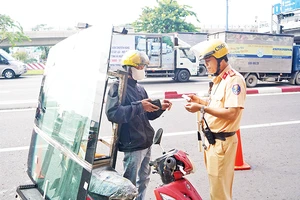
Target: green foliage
{"type": "Point", "coordinates": [31, 60]}
{"type": "Point", "coordinates": [168, 41]}
{"type": "Point", "coordinates": [167, 17]}
{"type": "Point", "coordinates": [21, 55]}
{"type": "Point", "coordinates": [11, 30]}
{"type": "Point", "coordinates": [45, 51]}
{"type": "Point", "coordinates": [24, 57]}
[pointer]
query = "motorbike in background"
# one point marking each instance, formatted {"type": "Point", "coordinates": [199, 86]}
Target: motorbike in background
{"type": "Point", "coordinates": [172, 166]}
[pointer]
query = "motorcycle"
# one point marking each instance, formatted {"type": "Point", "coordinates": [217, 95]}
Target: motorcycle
{"type": "Point", "coordinates": [172, 166]}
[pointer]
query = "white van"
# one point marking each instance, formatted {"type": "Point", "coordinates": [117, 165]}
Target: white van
{"type": "Point", "coordinates": [10, 67]}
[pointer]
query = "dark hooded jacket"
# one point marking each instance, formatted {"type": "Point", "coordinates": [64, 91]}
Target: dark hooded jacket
{"type": "Point", "coordinates": [136, 132]}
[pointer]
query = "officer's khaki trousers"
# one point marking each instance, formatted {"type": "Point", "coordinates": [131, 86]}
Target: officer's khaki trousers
{"type": "Point", "coordinates": [219, 161]}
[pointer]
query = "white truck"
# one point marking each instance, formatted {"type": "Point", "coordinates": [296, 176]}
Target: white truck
{"type": "Point", "coordinates": [193, 38]}
{"type": "Point", "coordinates": [262, 56]}
{"type": "Point", "coordinates": [169, 55]}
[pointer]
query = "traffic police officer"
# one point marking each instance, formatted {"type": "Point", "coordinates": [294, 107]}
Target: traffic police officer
{"type": "Point", "coordinates": [222, 115]}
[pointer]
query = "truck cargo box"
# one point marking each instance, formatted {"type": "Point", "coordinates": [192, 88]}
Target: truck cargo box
{"type": "Point", "coordinates": [192, 38]}
{"type": "Point", "coordinates": [149, 43]}
{"type": "Point", "coordinates": [258, 52]}
{"type": "Point", "coordinates": [169, 55]}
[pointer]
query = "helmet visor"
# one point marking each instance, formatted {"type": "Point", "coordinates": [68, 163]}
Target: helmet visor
{"type": "Point", "coordinates": [144, 59]}
{"type": "Point", "coordinates": [207, 55]}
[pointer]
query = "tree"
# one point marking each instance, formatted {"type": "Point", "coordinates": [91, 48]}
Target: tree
{"type": "Point", "coordinates": [167, 17]}
{"type": "Point", "coordinates": [21, 55]}
{"type": "Point", "coordinates": [45, 49]}
{"type": "Point", "coordinates": [11, 30]}
{"type": "Point", "coordinates": [24, 57]}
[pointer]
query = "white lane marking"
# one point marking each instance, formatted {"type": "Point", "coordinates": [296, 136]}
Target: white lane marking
{"type": "Point", "coordinates": [4, 92]}
{"type": "Point", "coordinates": [14, 149]}
{"type": "Point", "coordinates": [18, 101]}
{"type": "Point", "coordinates": [180, 133]}
{"type": "Point", "coordinates": [3, 191]}
{"type": "Point", "coordinates": [158, 94]}
{"type": "Point", "coordinates": [242, 127]}
{"type": "Point", "coordinates": [270, 124]}
{"type": "Point", "coordinates": [17, 110]}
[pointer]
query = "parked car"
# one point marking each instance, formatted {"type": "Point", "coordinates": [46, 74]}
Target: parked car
{"type": "Point", "coordinates": [10, 67]}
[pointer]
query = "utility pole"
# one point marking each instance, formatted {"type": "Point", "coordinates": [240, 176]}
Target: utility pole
{"type": "Point", "coordinates": [279, 28]}
{"type": "Point", "coordinates": [271, 24]}
{"type": "Point", "coordinates": [226, 28]}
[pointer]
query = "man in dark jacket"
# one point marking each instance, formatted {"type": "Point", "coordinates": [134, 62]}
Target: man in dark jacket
{"type": "Point", "coordinates": [136, 134]}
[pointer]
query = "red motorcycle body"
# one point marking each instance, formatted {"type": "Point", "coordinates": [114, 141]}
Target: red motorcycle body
{"type": "Point", "coordinates": [179, 190]}
{"type": "Point", "coordinates": [171, 167]}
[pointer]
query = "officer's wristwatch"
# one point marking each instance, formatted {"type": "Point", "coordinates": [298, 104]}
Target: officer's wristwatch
{"type": "Point", "coordinates": [202, 109]}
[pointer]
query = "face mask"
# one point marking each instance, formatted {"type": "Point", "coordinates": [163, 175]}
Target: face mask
{"type": "Point", "coordinates": [138, 74]}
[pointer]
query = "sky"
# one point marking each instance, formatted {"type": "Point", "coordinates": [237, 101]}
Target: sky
{"type": "Point", "coordinates": [61, 14]}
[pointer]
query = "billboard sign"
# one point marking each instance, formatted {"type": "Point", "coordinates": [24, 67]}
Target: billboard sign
{"type": "Point", "coordinates": [277, 9]}
{"type": "Point", "coordinates": [289, 5]}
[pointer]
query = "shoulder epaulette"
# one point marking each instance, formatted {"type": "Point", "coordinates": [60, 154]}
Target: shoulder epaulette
{"type": "Point", "coordinates": [231, 73]}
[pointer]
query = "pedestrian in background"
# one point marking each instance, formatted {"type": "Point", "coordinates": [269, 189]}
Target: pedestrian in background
{"type": "Point", "coordinates": [136, 135]}
{"type": "Point", "coordinates": [222, 115]}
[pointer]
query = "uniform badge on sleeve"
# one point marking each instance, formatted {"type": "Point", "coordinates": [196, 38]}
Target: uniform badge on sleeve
{"type": "Point", "coordinates": [236, 89]}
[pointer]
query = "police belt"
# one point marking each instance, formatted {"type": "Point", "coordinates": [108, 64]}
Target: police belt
{"type": "Point", "coordinates": [221, 135]}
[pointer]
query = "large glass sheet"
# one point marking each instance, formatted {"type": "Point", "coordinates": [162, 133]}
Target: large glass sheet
{"type": "Point", "coordinates": [54, 173]}
{"type": "Point", "coordinates": [69, 113]}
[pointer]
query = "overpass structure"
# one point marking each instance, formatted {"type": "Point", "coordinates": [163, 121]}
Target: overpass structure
{"type": "Point", "coordinates": [50, 38]}
{"type": "Point", "coordinates": [41, 38]}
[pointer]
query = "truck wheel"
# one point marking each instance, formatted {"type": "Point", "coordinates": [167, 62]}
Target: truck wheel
{"type": "Point", "coordinates": [183, 75]}
{"type": "Point", "coordinates": [297, 79]}
{"type": "Point", "coordinates": [251, 80]}
{"type": "Point", "coordinates": [9, 74]}
{"type": "Point", "coordinates": [202, 70]}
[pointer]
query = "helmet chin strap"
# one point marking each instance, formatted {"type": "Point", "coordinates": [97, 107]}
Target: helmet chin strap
{"type": "Point", "coordinates": [218, 67]}
{"type": "Point", "coordinates": [129, 71]}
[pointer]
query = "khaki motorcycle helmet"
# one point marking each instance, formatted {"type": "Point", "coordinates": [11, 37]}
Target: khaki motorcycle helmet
{"type": "Point", "coordinates": [212, 48]}
{"type": "Point", "coordinates": [215, 47]}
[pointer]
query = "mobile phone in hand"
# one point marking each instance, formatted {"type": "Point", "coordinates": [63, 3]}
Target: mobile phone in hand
{"type": "Point", "coordinates": [156, 102]}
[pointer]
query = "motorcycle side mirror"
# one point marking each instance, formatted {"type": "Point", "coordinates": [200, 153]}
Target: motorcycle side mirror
{"type": "Point", "coordinates": [158, 135]}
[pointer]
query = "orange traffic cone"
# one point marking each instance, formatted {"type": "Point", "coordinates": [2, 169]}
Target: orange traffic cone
{"type": "Point", "coordinates": [239, 160]}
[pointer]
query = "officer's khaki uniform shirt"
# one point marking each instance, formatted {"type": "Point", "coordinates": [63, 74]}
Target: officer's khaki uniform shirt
{"type": "Point", "coordinates": [229, 90]}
